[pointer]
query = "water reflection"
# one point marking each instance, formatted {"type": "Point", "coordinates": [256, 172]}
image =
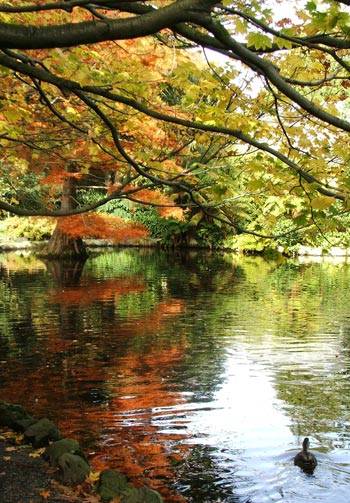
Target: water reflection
{"type": "Point", "coordinates": [198, 375]}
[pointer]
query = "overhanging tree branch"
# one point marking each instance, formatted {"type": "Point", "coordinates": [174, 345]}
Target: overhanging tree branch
{"type": "Point", "coordinates": [76, 88]}
{"type": "Point", "coordinates": [16, 36]}
{"type": "Point", "coordinates": [271, 73]}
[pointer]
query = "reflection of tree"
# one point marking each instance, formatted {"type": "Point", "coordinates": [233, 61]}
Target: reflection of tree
{"type": "Point", "coordinates": [18, 318]}
{"type": "Point", "coordinates": [302, 302]}
{"type": "Point", "coordinates": [111, 337]}
{"type": "Point", "coordinates": [314, 405]}
{"type": "Point", "coordinates": [92, 291]}
{"type": "Point", "coordinates": [94, 395]}
{"type": "Point", "coordinates": [199, 477]}
{"type": "Point", "coordinates": [86, 344]}
{"type": "Point", "coordinates": [66, 272]}
{"type": "Point", "coordinates": [112, 350]}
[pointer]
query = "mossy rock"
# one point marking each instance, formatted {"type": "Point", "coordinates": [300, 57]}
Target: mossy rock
{"type": "Point", "coordinates": [111, 484]}
{"type": "Point", "coordinates": [15, 417]}
{"type": "Point", "coordinates": [41, 433]}
{"type": "Point", "coordinates": [55, 450]}
{"type": "Point", "coordinates": [74, 469]}
{"type": "Point", "coordinates": [141, 495]}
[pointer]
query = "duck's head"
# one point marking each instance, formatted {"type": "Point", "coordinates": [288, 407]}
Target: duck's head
{"type": "Point", "coordinates": [306, 443]}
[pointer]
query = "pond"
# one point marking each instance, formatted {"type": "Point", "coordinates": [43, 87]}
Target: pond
{"type": "Point", "coordinates": [198, 375]}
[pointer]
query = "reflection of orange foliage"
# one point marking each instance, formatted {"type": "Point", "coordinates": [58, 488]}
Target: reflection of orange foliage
{"type": "Point", "coordinates": [130, 429]}
{"type": "Point", "coordinates": [101, 226]}
{"type": "Point", "coordinates": [155, 319]}
{"type": "Point", "coordinates": [92, 292]}
{"type": "Point", "coordinates": [138, 447]}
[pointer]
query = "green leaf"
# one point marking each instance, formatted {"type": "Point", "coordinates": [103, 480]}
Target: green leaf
{"type": "Point", "coordinates": [322, 202]}
{"type": "Point", "coordinates": [283, 43]}
{"type": "Point", "coordinates": [311, 6]}
{"type": "Point", "coordinates": [241, 26]}
{"type": "Point", "coordinates": [259, 41]}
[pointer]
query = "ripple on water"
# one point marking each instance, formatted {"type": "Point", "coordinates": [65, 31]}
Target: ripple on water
{"type": "Point", "coordinates": [200, 374]}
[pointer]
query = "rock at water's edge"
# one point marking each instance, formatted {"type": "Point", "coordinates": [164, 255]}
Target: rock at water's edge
{"type": "Point", "coordinates": [15, 417]}
{"type": "Point", "coordinates": [74, 469]}
{"type": "Point", "coordinates": [41, 432]}
{"type": "Point", "coordinates": [113, 484]}
{"type": "Point", "coordinates": [55, 450]}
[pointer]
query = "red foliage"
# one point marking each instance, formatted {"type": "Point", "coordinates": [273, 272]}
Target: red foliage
{"type": "Point", "coordinates": [93, 225]}
{"type": "Point", "coordinates": [57, 176]}
{"type": "Point", "coordinates": [154, 196]}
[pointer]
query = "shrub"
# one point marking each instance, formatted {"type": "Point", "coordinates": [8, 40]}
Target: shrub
{"type": "Point", "coordinates": [32, 228]}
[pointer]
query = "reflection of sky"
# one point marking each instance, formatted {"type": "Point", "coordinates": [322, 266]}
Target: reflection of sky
{"type": "Point", "coordinates": [248, 427]}
{"type": "Point", "coordinates": [246, 395]}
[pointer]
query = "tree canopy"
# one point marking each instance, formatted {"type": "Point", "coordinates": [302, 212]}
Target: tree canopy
{"type": "Point", "coordinates": [229, 107]}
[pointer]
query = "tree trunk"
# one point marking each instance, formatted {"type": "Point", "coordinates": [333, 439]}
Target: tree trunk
{"type": "Point", "coordinates": [61, 245]}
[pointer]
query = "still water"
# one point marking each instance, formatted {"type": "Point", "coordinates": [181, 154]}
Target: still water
{"type": "Point", "coordinates": [196, 375]}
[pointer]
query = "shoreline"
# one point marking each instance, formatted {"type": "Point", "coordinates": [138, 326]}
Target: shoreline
{"type": "Point", "coordinates": [39, 464]}
{"type": "Point", "coordinates": [304, 252]}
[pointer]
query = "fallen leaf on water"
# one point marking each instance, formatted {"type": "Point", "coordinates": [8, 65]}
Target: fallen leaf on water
{"type": "Point", "coordinates": [45, 494]}
{"type": "Point", "coordinates": [6, 458]}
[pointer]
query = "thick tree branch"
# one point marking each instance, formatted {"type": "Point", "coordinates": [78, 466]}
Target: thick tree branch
{"type": "Point", "coordinates": [46, 212]}
{"type": "Point", "coordinates": [16, 36]}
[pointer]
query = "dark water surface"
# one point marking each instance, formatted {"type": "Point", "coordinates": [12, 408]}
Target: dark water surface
{"type": "Point", "coordinates": [199, 376]}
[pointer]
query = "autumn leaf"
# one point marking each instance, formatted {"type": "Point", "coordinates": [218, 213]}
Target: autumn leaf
{"type": "Point", "coordinates": [45, 494]}
{"type": "Point", "coordinates": [37, 453]}
{"type": "Point", "coordinates": [93, 477]}
{"type": "Point", "coordinates": [322, 202]}
{"type": "Point", "coordinates": [13, 436]}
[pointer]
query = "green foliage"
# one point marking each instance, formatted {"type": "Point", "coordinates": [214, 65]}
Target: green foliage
{"type": "Point", "coordinates": [32, 228]}
{"type": "Point", "coordinates": [168, 231]}
{"type": "Point", "coordinates": [245, 243]}
{"type": "Point", "coordinates": [24, 189]}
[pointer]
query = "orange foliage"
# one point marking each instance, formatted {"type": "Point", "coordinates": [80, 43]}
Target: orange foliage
{"type": "Point", "coordinates": [177, 213]}
{"type": "Point", "coordinates": [57, 176]}
{"type": "Point", "coordinates": [93, 225]}
{"type": "Point", "coordinates": [156, 197]}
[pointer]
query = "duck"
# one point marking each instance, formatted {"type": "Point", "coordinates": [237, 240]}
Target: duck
{"type": "Point", "coordinates": [305, 459]}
